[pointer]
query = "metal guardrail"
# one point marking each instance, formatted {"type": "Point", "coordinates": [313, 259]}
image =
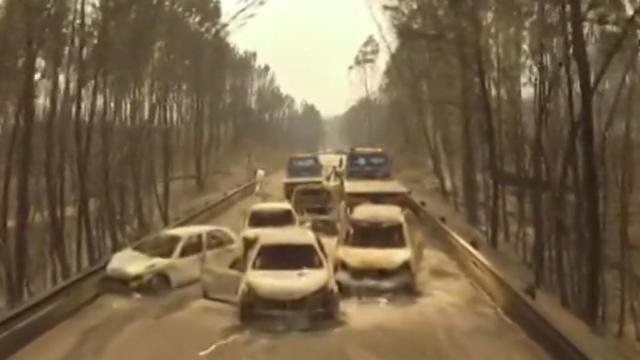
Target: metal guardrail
{"type": "Point", "coordinates": [512, 302]}
{"type": "Point", "coordinates": [25, 323]}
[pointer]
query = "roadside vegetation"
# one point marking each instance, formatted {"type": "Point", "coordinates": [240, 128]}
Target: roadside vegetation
{"type": "Point", "coordinates": [526, 114]}
{"type": "Point", "coordinates": [105, 107]}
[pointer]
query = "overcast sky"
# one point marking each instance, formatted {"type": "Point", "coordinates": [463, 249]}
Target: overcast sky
{"type": "Point", "coordinates": [310, 44]}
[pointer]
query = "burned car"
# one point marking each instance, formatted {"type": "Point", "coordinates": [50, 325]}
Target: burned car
{"type": "Point", "coordinates": [376, 251]}
{"type": "Point", "coordinates": [369, 178]}
{"type": "Point", "coordinates": [171, 258]}
{"type": "Point", "coordinates": [271, 214]}
{"type": "Point", "coordinates": [317, 205]}
{"type": "Point", "coordinates": [302, 169]}
{"type": "Point", "coordinates": [287, 275]}
{"type": "Point", "coordinates": [268, 215]}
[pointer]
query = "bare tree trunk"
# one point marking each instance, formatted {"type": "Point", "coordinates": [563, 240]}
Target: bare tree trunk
{"type": "Point", "coordinates": [469, 181]}
{"type": "Point", "coordinates": [627, 169]}
{"type": "Point", "coordinates": [6, 247]}
{"type": "Point", "coordinates": [590, 177]}
{"type": "Point", "coordinates": [106, 134]}
{"type": "Point", "coordinates": [488, 127]}
{"type": "Point", "coordinates": [25, 156]}
{"type": "Point", "coordinates": [56, 232]}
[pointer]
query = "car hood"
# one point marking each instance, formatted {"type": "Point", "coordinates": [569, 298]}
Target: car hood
{"type": "Point", "coordinates": [252, 232]}
{"type": "Point", "coordinates": [129, 262]}
{"type": "Point", "coordinates": [286, 285]}
{"type": "Point", "coordinates": [370, 258]}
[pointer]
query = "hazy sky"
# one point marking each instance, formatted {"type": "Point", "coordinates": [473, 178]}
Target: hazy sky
{"type": "Point", "coordinates": [309, 44]}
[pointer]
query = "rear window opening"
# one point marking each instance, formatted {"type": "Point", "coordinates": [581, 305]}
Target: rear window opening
{"type": "Point", "coordinates": [272, 218]}
{"type": "Point", "coordinates": [304, 162]}
{"type": "Point", "coordinates": [381, 236]}
{"type": "Point", "coordinates": [287, 257]}
{"type": "Point", "coordinates": [308, 166]}
{"type": "Point", "coordinates": [372, 166]}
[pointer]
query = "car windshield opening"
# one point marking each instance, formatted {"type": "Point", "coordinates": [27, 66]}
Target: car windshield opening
{"type": "Point", "coordinates": [312, 200]}
{"type": "Point", "coordinates": [287, 257]}
{"type": "Point", "coordinates": [271, 218]}
{"type": "Point", "coordinates": [304, 162]}
{"type": "Point", "coordinates": [158, 246]}
{"type": "Point", "coordinates": [367, 235]}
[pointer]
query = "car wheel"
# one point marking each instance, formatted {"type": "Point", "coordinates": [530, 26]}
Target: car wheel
{"type": "Point", "coordinates": [160, 284]}
{"type": "Point", "coordinates": [344, 290]}
{"type": "Point", "coordinates": [245, 312]}
{"type": "Point", "coordinates": [332, 307]}
{"type": "Point", "coordinates": [412, 287]}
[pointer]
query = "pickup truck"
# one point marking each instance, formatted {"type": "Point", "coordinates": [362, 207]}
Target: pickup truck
{"type": "Point", "coordinates": [369, 178]}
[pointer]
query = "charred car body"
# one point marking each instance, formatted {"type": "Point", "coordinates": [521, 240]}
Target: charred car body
{"type": "Point", "coordinates": [171, 258]}
{"type": "Point", "coordinates": [318, 205]}
{"type": "Point", "coordinates": [302, 169]}
{"type": "Point", "coordinates": [369, 178]}
{"type": "Point", "coordinates": [287, 275]}
{"type": "Point", "coordinates": [376, 252]}
{"type": "Point", "coordinates": [267, 215]}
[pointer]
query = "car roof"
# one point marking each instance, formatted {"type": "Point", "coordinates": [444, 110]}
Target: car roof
{"type": "Point", "coordinates": [310, 187]}
{"type": "Point", "coordinates": [377, 213]}
{"type": "Point", "coordinates": [286, 235]}
{"type": "Point", "coordinates": [366, 150]}
{"type": "Point", "coordinates": [189, 230]}
{"type": "Point", "coordinates": [304, 155]}
{"type": "Point", "coordinates": [272, 205]}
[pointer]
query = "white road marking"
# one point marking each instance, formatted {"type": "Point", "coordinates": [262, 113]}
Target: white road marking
{"type": "Point", "coordinates": [213, 347]}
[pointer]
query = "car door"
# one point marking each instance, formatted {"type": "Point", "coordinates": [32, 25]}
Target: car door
{"type": "Point", "coordinates": [417, 246]}
{"type": "Point", "coordinates": [219, 282]}
{"type": "Point", "coordinates": [222, 247]}
{"type": "Point", "coordinates": [188, 261]}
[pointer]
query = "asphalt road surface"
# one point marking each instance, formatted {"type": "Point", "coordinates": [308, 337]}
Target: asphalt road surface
{"type": "Point", "coordinates": [452, 319]}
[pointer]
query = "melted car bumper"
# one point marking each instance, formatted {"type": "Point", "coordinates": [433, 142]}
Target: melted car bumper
{"type": "Point", "coordinates": [376, 283]}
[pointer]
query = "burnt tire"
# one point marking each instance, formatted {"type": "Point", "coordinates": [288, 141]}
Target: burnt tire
{"type": "Point", "coordinates": [411, 288]}
{"type": "Point", "coordinates": [332, 308]}
{"type": "Point", "coordinates": [245, 312]}
{"type": "Point", "coordinates": [159, 284]}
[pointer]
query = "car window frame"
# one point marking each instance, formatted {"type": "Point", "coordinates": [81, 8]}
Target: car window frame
{"type": "Point", "coordinates": [256, 249]}
{"type": "Point", "coordinates": [221, 239]}
{"type": "Point", "coordinates": [292, 211]}
{"type": "Point", "coordinates": [199, 237]}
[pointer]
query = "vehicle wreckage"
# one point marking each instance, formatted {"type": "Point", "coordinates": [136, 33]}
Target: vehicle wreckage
{"type": "Point", "coordinates": [302, 169]}
{"type": "Point", "coordinates": [286, 276]}
{"type": "Point", "coordinates": [369, 179]}
{"type": "Point", "coordinates": [377, 252]}
{"type": "Point", "coordinates": [318, 206]}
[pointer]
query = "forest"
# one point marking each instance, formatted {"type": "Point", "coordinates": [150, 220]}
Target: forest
{"type": "Point", "coordinates": [105, 105]}
{"type": "Point", "coordinates": [526, 113]}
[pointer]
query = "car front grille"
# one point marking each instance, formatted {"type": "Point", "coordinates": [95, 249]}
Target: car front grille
{"type": "Point", "coordinates": [306, 303]}
{"type": "Point", "coordinates": [372, 273]}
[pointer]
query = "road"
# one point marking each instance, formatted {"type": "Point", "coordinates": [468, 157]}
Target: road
{"type": "Point", "coordinates": [452, 319]}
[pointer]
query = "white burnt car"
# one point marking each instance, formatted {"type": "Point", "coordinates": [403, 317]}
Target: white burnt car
{"type": "Point", "coordinates": [268, 215]}
{"type": "Point", "coordinates": [376, 251]}
{"type": "Point", "coordinates": [271, 215]}
{"type": "Point", "coordinates": [286, 274]}
{"type": "Point", "coordinates": [172, 258]}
